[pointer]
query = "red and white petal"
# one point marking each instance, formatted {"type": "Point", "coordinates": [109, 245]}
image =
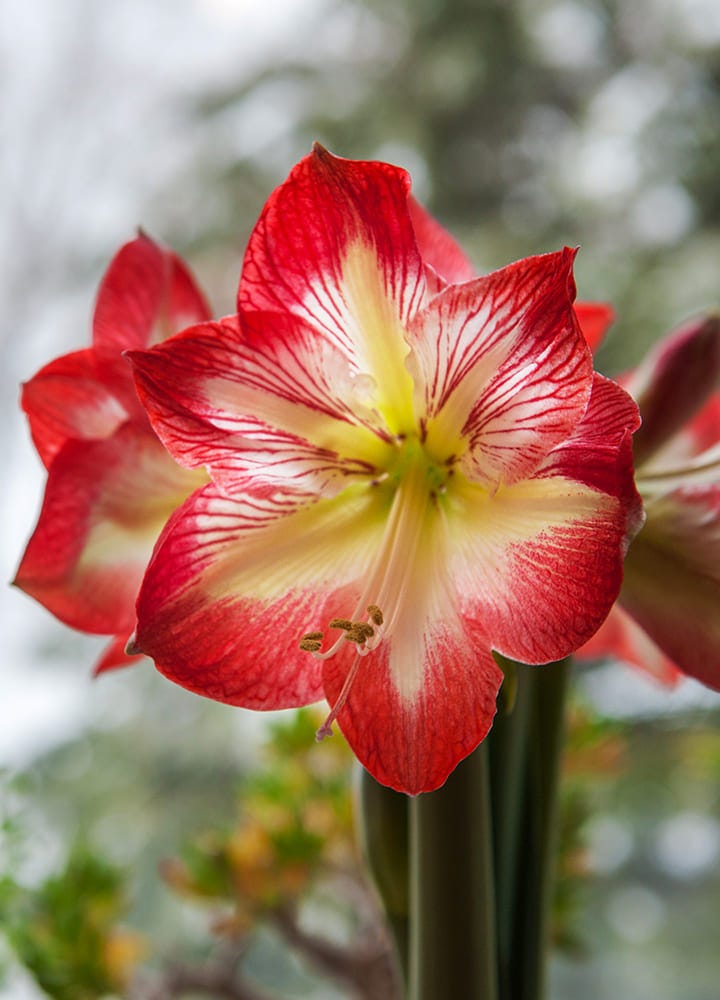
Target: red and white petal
{"type": "Point", "coordinates": [114, 656]}
{"type": "Point", "coordinates": [672, 580]}
{"type": "Point", "coordinates": [235, 583]}
{"type": "Point", "coordinates": [621, 637]}
{"type": "Point", "coordinates": [674, 382]}
{"type": "Point", "coordinates": [438, 248]}
{"type": "Point", "coordinates": [502, 372]}
{"type": "Point", "coordinates": [413, 743]}
{"type": "Point", "coordinates": [596, 453]}
{"type": "Point", "coordinates": [539, 563]}
{"type": "Point", "coordinates": [105, 504]}
{"type": "Point", "coordinates": [594, 319]}
{"type": "Point", "coordinates": [272, 400]}
{"type": "Point", "coordinates": [67, 399]}
{"type": "Point", "coordinates": [335, 246]}
{"type": "Point", "coordinates": [146, 295]}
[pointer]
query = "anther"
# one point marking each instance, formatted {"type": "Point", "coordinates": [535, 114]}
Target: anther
{"type": "Point", "coordinates": [359, 632]}
{"type": "Point", "coordinates": [343, 623]}
{"type": "Point", "coordinates": [313, 635]}
{"type": "Point", "coordinates": [310, 645]}
{"type": "Point", "coordinates": [375, 614]}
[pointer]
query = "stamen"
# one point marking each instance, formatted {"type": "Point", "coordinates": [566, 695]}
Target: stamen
{"type": "Point", "coordinates": [326, 728]}
{"type": "Point", "coordinates": [375, 614]}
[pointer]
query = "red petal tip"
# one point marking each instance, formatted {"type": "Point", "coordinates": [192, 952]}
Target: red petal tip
{"type": "Point", "coordinates": [131, 646]}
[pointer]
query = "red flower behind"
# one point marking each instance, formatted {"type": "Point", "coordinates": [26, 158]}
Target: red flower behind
{"type": "Point", "coordinates": [667, 619]}
{"type": "Point", "coordinates": [111, 484]}
{"type": "Point", "coordinates": [406, 472]}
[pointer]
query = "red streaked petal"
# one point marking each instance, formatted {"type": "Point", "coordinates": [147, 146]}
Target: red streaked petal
{"type": "Point", "coordinates": [501, 369]}
{"type": "Point", "coordinates": [412, 745]}
{"type": "Point", "coordinates": [335, 246]}
{"type": "Point", "coordinates": [67, 399]}
{"type": "Point", "coordinates": [438, 248]}
{"type": "Point", "coordinates": [114, 657]}
{"type": "Point", "coordinates": [105, 504]}
{"type": "Point", "coordinates": [147, 294]}
{"type": "Point", "coordinates": [594, 319]}
{"type": "Point", "coordinates": [598, 452]}
{"type": "Point", "coordinates": [235, 583]}
{"type": "Point", "coordinates": [276, 402]}
{"type": "Point", "coordinates": [672, 580]}
{"type": "Point", "coordinates": [539, 566]}
{"type": "Point", "coordinates": [621, 637]}
{"type": "Point", "coordinates": [674, 382]}
{"type": "Point", "coordinates": [539, 563]}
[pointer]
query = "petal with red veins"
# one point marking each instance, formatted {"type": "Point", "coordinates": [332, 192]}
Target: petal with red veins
{"type": "Point", "coordinates": [594, 319]}
{"type": "Point", "coordinates": [335, 246]}
{"type": "Point", "coordinates": [501, 370]}
{"type": "Point", "coordinates": [147, 294]}
{"type": "Point", "coordinates": [67, 399]}
{"type": "Point", "coordinates": [672, 580]}
{"type": "Point", "coordinates": [272, 400]}
{"type": "Point", "coordinates": [235, 583]}
{"type": "Point", "coordinates": [438, 248]}
{"type": "Point", "coordinates": [412, 744]}
{"type": "Point", "coordinates": [114, 657]}
{"type": "Point", "coordinates": [621, 637]}
{"type": "Point", "coordinates": [539, 563]}
{"type": "Point", "coordinates": [674, 382]}
{"type": "Point", "coordinates": [597, 453]}
{"type": "Point", "coordinates": [105, 504]}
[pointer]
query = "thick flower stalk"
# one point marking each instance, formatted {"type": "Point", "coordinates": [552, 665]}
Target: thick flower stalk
{"type": "Point", "coordinates": [111, 484]}
{"type": "Point", "coordinates": [667, 618]}
{"type": "Point", "coordinates": [406, 473]}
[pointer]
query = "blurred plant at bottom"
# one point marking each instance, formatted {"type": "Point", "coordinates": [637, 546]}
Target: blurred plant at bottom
{"type": "Point", "coordinates": [288, 865]}
{"type": "Point", "coordinates": [292, 851]}
{"type": "Point", "coordinates": [67, 933]}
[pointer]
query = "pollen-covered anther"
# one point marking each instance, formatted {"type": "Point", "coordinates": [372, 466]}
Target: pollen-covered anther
{"type": "Point", "coordinates": [311, 642]}
{"type": "Point", "coordinates": [375, 614]}
{"type": "Point", "coordinates": [343, 623]}
{"type": "Point", "coordinates": [359, 632]}
{"type": "Point", "coordinates": [310, 645]}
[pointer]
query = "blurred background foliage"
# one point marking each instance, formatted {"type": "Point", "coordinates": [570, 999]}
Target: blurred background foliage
{"type": "Point", "coordinates": [146, 840]}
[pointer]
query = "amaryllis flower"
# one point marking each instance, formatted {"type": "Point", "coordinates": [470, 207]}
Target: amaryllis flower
{"type": "Point", "coordinates": [407, 473]}
{"type": "Point", "coordinates": [111, 484]}
{"type": "Point", "coordinates": [668, 616]}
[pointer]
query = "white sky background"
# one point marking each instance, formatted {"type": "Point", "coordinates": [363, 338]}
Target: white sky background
{"type": "Point", "coordinates": [93, 93]}
{"type": "Point", "coordinates": [92, 125]}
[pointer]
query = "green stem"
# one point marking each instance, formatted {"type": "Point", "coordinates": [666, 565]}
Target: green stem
{"type": "Point", "coordinates": [507, 746]}
{"type": "Point", "coordinates": [536, 857]}
{"type": "Point", "coordinates": [384, 837]}
{"type": "Point", "coordinates": [452, 898]}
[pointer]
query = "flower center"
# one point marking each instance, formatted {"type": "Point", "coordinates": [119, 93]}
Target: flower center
{"type": "Point", "coordinates": [415, 484]}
